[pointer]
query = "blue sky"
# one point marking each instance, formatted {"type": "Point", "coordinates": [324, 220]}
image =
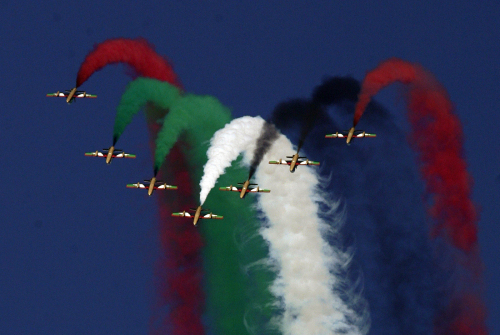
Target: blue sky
{"type": "Point", "coordinates": [77, 249]}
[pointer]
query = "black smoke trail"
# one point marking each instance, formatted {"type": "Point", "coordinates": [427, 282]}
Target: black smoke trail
{"type": "Point", "coordinates": [379, 183]}
{"type": "Point", "coordinates": [268, 135]}
{"type": "Point", "coordinates": [307, 111]}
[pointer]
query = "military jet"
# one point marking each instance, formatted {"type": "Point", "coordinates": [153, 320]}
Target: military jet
{"type": "Point", "coordinates": [244, 189]}
{"type": "Point", "coordinates": [109, 153]}
{"type": "Point", "coordinates": [350, 134]}
{"type": "Point", "coordinates": [294, 161]}
{"type": "Point", "coordinates": [199, 213]}
{"type": "Point", "coordinates": [71, 95]}
{"type": "Point", "coordinates": [152, 184]}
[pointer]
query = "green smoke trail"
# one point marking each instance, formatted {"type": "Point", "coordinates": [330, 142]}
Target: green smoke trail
{"type": "Point", "coordinates": [195, 115]}
{"type": "Point", "coordinates": [236, 285]}
{"type": "Point", "coordinates": [137, 93]}
{"type": "Point", "coordinates": [230, 244]}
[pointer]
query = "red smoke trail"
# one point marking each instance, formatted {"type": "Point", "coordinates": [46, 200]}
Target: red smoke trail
{"type": "Point", "coordinates": [437, 138]}
{"type": "Point", "coordinates": [464, 316]}
{"type": "Point", "coordinates": [138, 53]}
{"type": "Point", "coordinates": [180, 269]}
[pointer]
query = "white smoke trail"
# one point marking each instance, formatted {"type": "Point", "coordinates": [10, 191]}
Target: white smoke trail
{"type": "Point", "coordinates": [225, 146]}
{"type": "Point", "coordinates": [310, 272]}
{"type": "Point", "coordinates": [309, 282]}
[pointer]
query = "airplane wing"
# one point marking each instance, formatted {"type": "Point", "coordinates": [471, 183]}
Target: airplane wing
{"type": "Point", "coordinates": [57, 94]}
{"type": "Point", "coordinates": [336, 135]}
{"type": "Point", "coordinates": [138, 185]}
{"type": "Point", "coordinates": [123, 155]}
{"type": "Point", "coordinates": [211, 216]}
{"type": "Point", "coordinates": [230, 188]}
{"type": "Point", "coordinates": [307, 162]}
{"type": "Point", "coordinates": [258, 190]}
{"type": "Point", "coordinates": [94, 154]}
{"type": "Point", "coordinates": [165, 186]}
{"type": "Point", "coordinates": [182, 214]}
{"type": "Point", "coordinates": [84, 95]}
{"type": "Point", "coordinates": [281, 161]}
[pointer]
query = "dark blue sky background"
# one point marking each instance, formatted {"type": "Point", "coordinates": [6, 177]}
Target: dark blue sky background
{"type": "Point", "coordinates": [77, 249]}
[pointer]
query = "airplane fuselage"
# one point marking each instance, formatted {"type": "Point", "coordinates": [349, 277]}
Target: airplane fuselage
{"type": "Point", "coordinates": [197, 215]}
{"type": "Point", "coordinates": [109, 156]}
{"type": "Point", "coordinates": [349, 135]}
{"type": "Point", "coordinates": [70, 95]}
{"type": "Point", "coordinates": [151, 186]}
{"type": "Point", "coordinates": [294, 162]}
{"type": "Point", "coordinates": [244, 189]}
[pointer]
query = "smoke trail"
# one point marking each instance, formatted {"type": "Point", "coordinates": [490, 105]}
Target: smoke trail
{"type": "Point", "coordinates": [402, 282]}
{"type": "Point", "coordinates": [266, 138]}
{"type": "Point", "coordinates": [225, 147]}
{"type": "Point", "coordinates": [138, 53]}
{"type": "Point", "coordinates": [393, 70]}
{"type": "Point", "coordinates": [466, 315]}
{"type": "Point", "coordinates": [237, 295]}
{"type": "Point", "coordinates": [137, 94]}
{"type": "Point", "coordinates": [310, 282]}
{"type": "Point", "coordinates": [181, 268]}
{"type": "Point", "coordinates": [309, 118]}
{"type": "Point", "coordinates": [189, 113]}
{"type": "Point", "coordinates": [197, 118]}
{"type": "Point", "coordinates": [437, 137]}
{"type": "Point", "coordinates": [305, 262]}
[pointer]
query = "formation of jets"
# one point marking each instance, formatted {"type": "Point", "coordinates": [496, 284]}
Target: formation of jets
{"type": "Point", "coordinates": [109, 153]}
{"type": "Point", "coordinates": [152, 184]}
{"type": "Point", "coordinates": [244, 188]}
{"type": "Point", "coordinates": [199, 213]}
{"type": "Point", "coordinates": [349, 134]}
{"type": "Point", "coordinates": [71, 95]}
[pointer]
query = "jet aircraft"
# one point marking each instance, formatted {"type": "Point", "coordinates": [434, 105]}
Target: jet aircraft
{"type": "Point", "coordinates": [199, 213]}
{"type": "Point", "coordinates": [109, 153]}
{"type": "Point", "coordinates": [294, 161]}
{"type": "Point", "coordinates": [71, 95]}
{"type": "Point", "coordinates": [244, 188]}
{"type": "Point", "coordinates": [152, 184]}
{"type": "Point", "coordinates": [350, 134]}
